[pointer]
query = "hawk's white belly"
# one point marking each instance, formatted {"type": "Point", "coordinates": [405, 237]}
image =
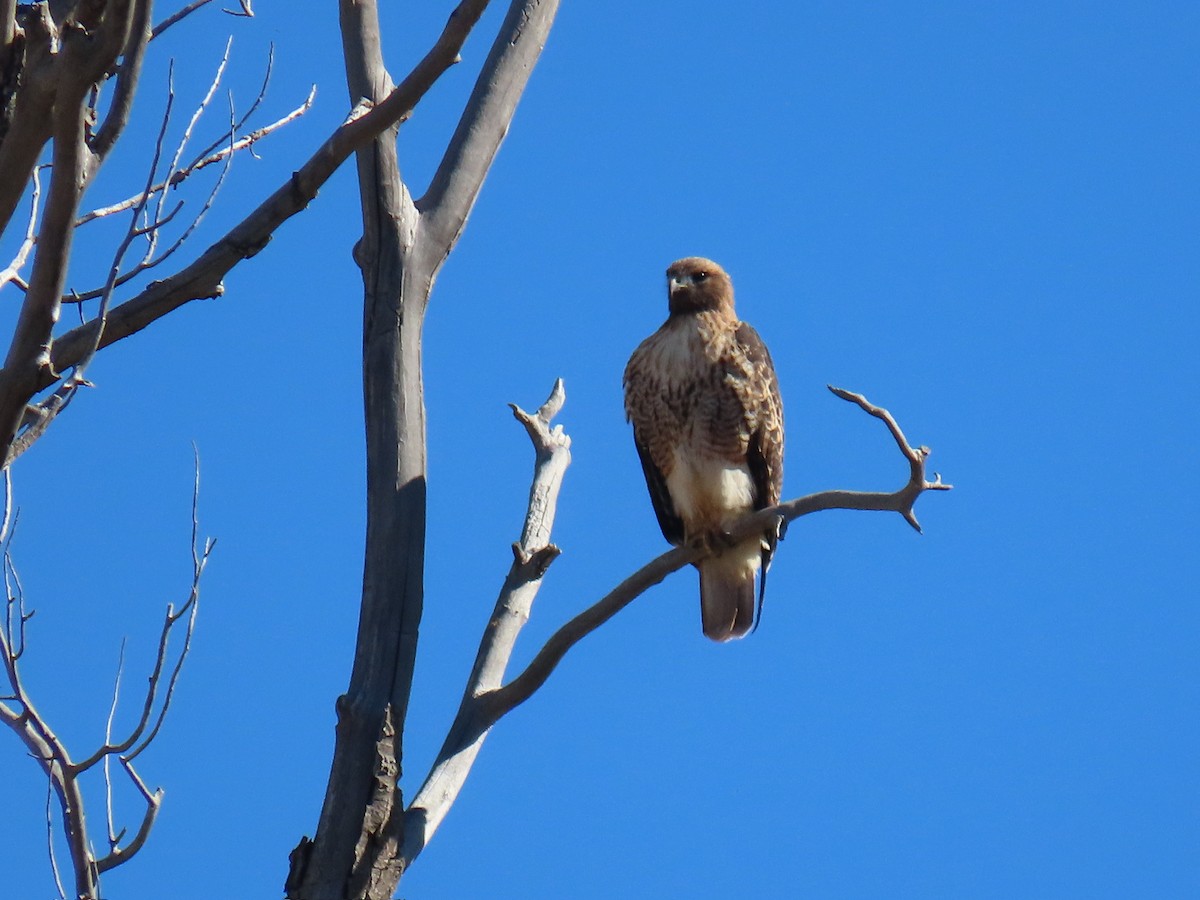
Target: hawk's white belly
{"type": "Point", "coordinates": [708, 492]}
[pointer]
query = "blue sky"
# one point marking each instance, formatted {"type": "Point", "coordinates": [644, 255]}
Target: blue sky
{"type": "Point", "coordinates": [983, 216]}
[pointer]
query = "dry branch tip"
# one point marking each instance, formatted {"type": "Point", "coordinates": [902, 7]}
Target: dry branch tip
{"type": "Point", "coordinates": [554, 403]}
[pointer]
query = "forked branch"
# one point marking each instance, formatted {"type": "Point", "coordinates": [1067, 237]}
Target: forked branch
{"type": "Point", "coordinates": [64, 776]}
{"type": "Point", "coordinates": [485, 120]}
{"type": "Point", "coordinates": [164, 677]}
{"type": "Point", "coordinates": [532, 555]}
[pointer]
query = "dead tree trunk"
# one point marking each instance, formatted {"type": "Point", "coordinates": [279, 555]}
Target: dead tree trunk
{"type": "Point", "coordinates": [356, 852]}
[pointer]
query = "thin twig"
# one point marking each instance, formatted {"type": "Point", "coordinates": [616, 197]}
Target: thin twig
{"type": "Point", "coordinates": [130, 235]}
{"type": "Point", "coordinates": [62, 894]}
{"type": "Point", "coordinates": [44, 746]}
{"type": "Point", "coordinates": [173, 678]}
{"type": "Point", "coordinates": [14, 267]}
{"type": "Point", "coordinates": [108, 725]}
{"type": "Point", "coordinates": [176, 17]}
{"type": "Point", "coordinates": [12, 641]}
{"type": "Point", "coordinates": [245, 13]}
{"type": "Point", "coordinates": [149, 260]}
{"type": "Point", "coordinates": [241, 143]}
{"type": "Point", "coordinates": [187, 132]}
{"type": "Point", "coordinates": [153, 803]}
{"type": "Point", "coordinates": [231, 134]}
{"type": "Point", "coordinates": [78, 298]}
{"type": "Point", "coordinates": [143, 732]}
{"type": "Point", "coordinates": [6, 522]}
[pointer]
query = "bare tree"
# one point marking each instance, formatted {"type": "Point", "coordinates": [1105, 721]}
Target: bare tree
{"type": "Point", "coordinates": [71, 70]}
{"type": "Point", "coordinates": [405, 241]}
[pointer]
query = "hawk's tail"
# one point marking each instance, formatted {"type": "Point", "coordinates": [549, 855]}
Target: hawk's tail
{"type": "Point", "coordinates": [727, 594]}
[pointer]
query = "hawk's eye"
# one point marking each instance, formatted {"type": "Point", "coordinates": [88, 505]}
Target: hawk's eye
{"type": "Point", "coordinates": [699, 276]}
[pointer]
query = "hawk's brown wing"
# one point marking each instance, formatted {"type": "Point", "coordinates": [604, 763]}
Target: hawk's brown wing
{"type": "Point", "coordinates": [660, 497]}
{"type": "Point", "coordinates": [764, 454]}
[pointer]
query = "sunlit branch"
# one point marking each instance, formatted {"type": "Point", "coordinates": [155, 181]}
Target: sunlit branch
{"type": "Point", "coordinates": [173, 166]}
{"type": "Point", "coordinates": [245, 12]}
{"type": "Point", "coordinates": [532, 556]}
{"type": "Point", "coordinates": [14, 268]}
{"type": "Point", "coordinates": [241, 143]}
{"type": "Point", "coordinates": [131, 234]}
{"type": "Point", "coordinates": [153, 801]}
{"type": "Point", "coordinates": [113, 837]}
{"type": "Point", "coordinates": [203, 278]}
{"type": "Point", "coordinates": [62, 893]}
{"type": "Point", "coordinates": [228, 136]}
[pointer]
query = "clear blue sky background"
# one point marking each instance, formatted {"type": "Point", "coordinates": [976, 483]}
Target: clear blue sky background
{"type": "Point", "coordinates": [984, 216]}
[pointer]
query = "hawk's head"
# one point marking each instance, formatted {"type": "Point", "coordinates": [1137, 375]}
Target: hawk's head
{"type": "Point", "coordinates": [696, 284]}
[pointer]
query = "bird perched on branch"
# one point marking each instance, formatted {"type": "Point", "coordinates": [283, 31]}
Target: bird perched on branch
{"type": "Point", "coordinates": [707, 420]}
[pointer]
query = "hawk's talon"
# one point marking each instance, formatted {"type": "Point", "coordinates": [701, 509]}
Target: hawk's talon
{"type": "Point", "coordinates": [724, 538]}
{"type": "Point", "coordinates": [713, 543]}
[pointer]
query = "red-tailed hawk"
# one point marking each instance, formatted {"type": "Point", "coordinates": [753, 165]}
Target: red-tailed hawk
{"type": "Point", "coordinates": [708, 423]}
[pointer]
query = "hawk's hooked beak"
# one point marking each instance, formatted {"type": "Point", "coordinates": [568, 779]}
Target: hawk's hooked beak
{"type": "Point", "coordinates": [675, 282]}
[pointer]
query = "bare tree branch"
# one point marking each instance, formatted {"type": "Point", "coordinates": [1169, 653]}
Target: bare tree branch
{"type": "Point", "coordinates": [149, 258]}
{"type": "Point", "coordinates": [113, 837]}
{"type": "Point", "coordinates": [204, 162]}
{"type": "Point", "coordinates": [500, 702]}
{"type": "Point", "coordinates": [143, 733]}
{"type": "Point", "coordinates": [254, 105]}
{"type": "Point", "coordinates": [153, 803]}
{"type": "Point", "coordinates": [29, 351]}
{"type": "Point", "coordinates": [177, 17]}
{"type": "Point", "coordinates": [485, 701]}
{"type": "Point", "coordinates": [128, 76]}
{"type": "Point", "coordinates": [533, 554]}
{"type": "Point", "coordinates": [14, 268]}
{"type": "Point", "coordinates": [37, 419]}
{"type": "Point", "coordinates": [64, 775]}
{"type": "Point", "coordinates": [84, 55]}
{"type": "Point", "coordinates": [32, 116]}
{"type": "Point", "coordinates": [356, 849]}
{"type": "Point", "coordinates": [173, 166]}
{"type": "Point", "coordinates": [202, 279]}
{"type": "Point", "coordinates": [485, 121]}
{"type": "Point", "coordinates": [245, 12]}
{"type": "Point", "coordinates": [34, 365]}
{"type": "Point", "coordinates": [62, 892]}
{"type": "Point", "coordinates": [131, 233]}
